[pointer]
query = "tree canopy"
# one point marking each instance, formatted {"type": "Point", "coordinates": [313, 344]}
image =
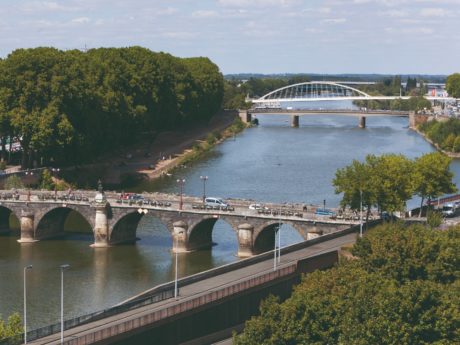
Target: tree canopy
{"type": "Point", "coordinates": [72, 106]}
{"type": "Point", "coordinates": [402, 289]}
{"type": "Point", "coordinates": [388, 181]}
{"type": "Point", "coordinates": [445, 134]}
{"type": "Point", "coordinates": [453, 85]}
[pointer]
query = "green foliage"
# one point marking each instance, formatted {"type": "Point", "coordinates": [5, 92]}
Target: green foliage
{"type": "Point", "coordinates": [453, 85]}
{"type": "Point", "coordinates": [415, 103]}
{"type": "Point", "coordinates": [13, 182]}
{"type": "Point", "coordinates": [432, 176]}
{"type": "Point", "coordinates": [388, 181]}
{"type": "Point", "coordinates": [433, 219]}
{"type": "Point", "coordinates": [403, 289]}
{"type": "Point", "coordinates": [446, 134]}
{"type": "Point", "coordinates": [2, 165]}
{"type": "Point", "coordinates": [12, 328]}
{"type": "Point", "coordinates": [70, 106]}
{"type": "Point", "coordinates": [46, 180]}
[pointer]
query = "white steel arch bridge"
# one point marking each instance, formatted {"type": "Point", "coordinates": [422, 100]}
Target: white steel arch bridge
{"type": "Point", "coordinates": [324, 91]}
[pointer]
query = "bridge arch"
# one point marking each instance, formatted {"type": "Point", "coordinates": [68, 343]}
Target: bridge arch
{"type": "Point", "coordinates": [264, 236]}
{"type": "Point", "coordinates": [313, 90]}
{"type": "Point", "coordinates": [200, 233]}
{"type": "Point", "coordinates": [51, 222]}
{"type": "Point", "coordinates": [6, 214]}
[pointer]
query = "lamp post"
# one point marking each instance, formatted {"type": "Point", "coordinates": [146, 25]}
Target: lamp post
{"type": "Point", "coordinates": [26, 268]}
{"type": "Point", "coordinates": [279, 237]}
{"type": "Point", "coordinates": [176, 269]}
{"type": "Point", "coordinates": [63, 268]}
{"type": "Point", "coordinates": [204, 178]}
{"type": "Point", "coordinates": [361, 213]}
{"type": "Point", "coordinates": [181, 183]}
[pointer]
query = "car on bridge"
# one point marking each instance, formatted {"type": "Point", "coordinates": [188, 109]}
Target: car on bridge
{"type": "Point", "coordinates": [210, 201]}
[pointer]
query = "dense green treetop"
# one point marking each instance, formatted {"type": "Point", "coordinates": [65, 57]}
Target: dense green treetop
{"type": "Point", "coordinates": [453, 85]}
{"type": "Point", "coordinates": [446, 134]}
{"type": "Point", "coordinates": [402, 289]}
{"type": "Point", "coordinates": [388, 181]}
{"type": "Point", "coordinates": [72, 106]}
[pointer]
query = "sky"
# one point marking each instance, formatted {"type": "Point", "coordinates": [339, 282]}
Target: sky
{"type": "Point", "coordinates": [252, 36]}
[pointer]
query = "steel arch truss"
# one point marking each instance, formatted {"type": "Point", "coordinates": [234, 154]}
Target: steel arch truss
{"type": "Point", "coordinates": [313, 91]}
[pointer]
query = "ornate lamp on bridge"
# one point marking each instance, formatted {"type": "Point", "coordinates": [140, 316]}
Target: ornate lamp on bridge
{"type": "Point", "coordinates": [181, 183]}
{"type": "Point", "coordinates": [204, 178]}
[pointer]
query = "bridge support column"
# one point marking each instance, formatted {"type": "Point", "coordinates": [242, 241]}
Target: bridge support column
{"type": "Point", "coordinates": [27, 227]}
{"type": "Point", "coordinates": [295, 121]}
{"type": "Point", "coordinates": [362, 122]}
{"type": "Point", "coordinates": [314, 233]}
{"type": "Point", "coordinates": [245, 116]}
{"type": "Point", "coordinates": [180, 237]}
{"type": "Point", "coordinates": [101, 228]}
{"type": "Point", "coordinates": [245, 240]}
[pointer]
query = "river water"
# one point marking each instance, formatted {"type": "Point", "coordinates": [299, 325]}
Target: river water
{"type": "Point", "coordinates": [271, 162]}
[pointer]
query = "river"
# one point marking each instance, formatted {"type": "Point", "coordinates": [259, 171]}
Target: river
{"type": "Point", "coordinates": [271, 162]}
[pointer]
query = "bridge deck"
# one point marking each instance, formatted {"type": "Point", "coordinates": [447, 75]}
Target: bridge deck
{"type": "Point", "coordinates": [197, 289]}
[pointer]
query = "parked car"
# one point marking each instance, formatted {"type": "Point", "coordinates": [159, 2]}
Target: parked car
{"type": "Point", "coordinates": [449, 210]}
{"type": "Point", "coordinates": [215, 202]}
{"type": "Point", "coordinates": [256, 207]}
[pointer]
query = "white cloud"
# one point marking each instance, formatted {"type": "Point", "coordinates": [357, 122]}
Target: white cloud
{"type": "Point", "coordinates": [434, 12]}
{"type": "Point", "coordinates": [395, 13]}
{"type": "Point", "coordinates": [334, 21]}
{"type": "Point", "coordinates": [258, 3]}
{"type": "Point", "coordinates": [166, 11]}
{"type": "Point", "coordinates": [81, 20]}
{"type": "Point", "coordinates": [34, 6]}
{"type": "Point", "coordinates": [204, 14]}
{"type": "Point", "coordinates": [409, 31]}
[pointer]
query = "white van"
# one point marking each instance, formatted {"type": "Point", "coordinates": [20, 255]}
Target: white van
{"type": "Point", "coordinates": [215, 202]}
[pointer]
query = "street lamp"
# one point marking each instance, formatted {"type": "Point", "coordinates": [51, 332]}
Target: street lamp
{"type": "Point", "coordinates": [361, 213]}
{"type": "Point", "coordinates": [26, 268]}
{"type": "Point", "coordinates": [63, 268]}
{"type": "Point", "coordinates": [181, 183]}
{"type": "Point", "coordinates": [279, 238]}
{"type": "Point", "coordinates": [204, 178]}
{"type": "Point", "coordinates": [175, 271]}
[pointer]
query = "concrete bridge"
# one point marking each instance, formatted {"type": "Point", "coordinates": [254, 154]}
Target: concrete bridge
{"type": "Point", "coordinates": [247, 115]}
{"type": "Point", "coordinates": [42, 215]}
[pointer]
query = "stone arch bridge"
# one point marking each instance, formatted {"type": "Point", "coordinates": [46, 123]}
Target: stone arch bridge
{"type": "Point", "coordinates": [113, 220]}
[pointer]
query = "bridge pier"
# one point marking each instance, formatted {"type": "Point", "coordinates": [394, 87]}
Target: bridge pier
{"type": "Point", "coordinates": [27, 227]}
{"type": "Point", "coordinates": [245, 116]}
{"type": "Point", "coordinates": [295, 121]}
{"type": "Point", "coordinates": [101, 228]}
{"type": "Point", "coordinates": [362, 122]}
{"type": "Point", "coordinates": [245, 240]}
{"type": "Point", "coordinates": [180, 238]}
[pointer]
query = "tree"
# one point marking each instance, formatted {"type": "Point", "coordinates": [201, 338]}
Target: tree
{"type": "Point", "coordinates": [355, 182]}
{"type": "Point", "coordinates": [385, 183]}
{"type": "Point", "coordinates": [453, 85]}
{"type": "Point", "coordinates": [46, 180]}
{"type": "Point", "coordinates": [432, 177]}
{"type": "Point", "coordinates": [395, 292]}
{"type": "Point", "coordinates": [12, 328]}
{"type": "Point", "coordinates": [13, 182]}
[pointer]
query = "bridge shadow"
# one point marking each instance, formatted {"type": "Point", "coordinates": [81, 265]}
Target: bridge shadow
{"type": "Point", "coordinates": [9, 223]}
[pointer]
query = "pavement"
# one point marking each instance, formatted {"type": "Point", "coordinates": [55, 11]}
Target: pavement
{"type": "Point", "coordinates": [202, 287]}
